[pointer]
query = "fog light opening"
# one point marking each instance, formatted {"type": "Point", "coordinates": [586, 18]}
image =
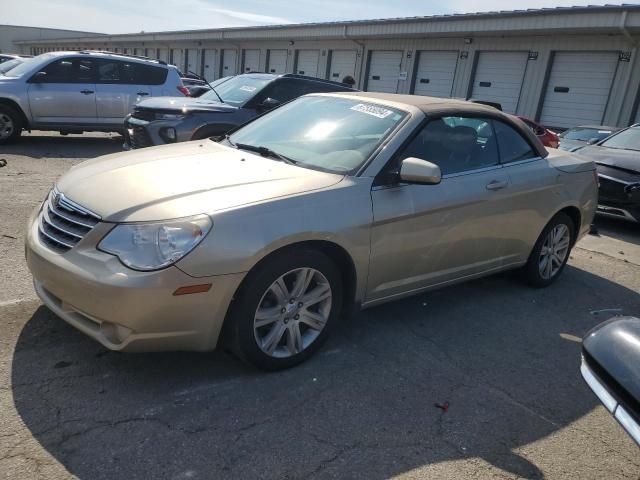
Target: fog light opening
{"type": "Point", "coordinates": [169, 134]}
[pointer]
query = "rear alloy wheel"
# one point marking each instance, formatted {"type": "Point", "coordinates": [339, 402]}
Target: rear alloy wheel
{"type": "Point", "coordinates": [551, 251]}
{"type": "Point", "coordinates": [285, 309]}
{"type": "Point", "coordinates": [10, 124]}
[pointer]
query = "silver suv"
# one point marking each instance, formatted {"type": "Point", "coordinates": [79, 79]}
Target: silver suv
{"type": "Point", "coordinates": [72, 92]}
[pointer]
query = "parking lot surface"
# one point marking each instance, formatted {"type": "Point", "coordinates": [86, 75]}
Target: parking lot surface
{"type": "Point", "coordinates": [479, 380]}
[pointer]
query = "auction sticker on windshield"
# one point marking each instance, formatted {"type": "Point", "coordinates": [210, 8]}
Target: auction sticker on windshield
{"type": "Point", "coordinates": [248, 88]}
{"type": "Point", "coordinates": [374, 110]}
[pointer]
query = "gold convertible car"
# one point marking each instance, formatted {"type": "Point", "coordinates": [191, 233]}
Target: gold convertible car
{"type": "Point", "coordinates": [265, 238]}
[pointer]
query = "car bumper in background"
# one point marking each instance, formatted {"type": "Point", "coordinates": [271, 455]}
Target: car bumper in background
{"type": "Point", "coordinates": [140, 133]}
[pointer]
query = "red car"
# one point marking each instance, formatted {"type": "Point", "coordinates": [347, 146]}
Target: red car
{"type": "Point", "coordinates": [546, 136]}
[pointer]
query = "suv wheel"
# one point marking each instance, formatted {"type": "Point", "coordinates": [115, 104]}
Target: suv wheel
{"type": "Point", "coordinates": [10, 124]}
{"type": "Point", "coordinates": [286, 309]}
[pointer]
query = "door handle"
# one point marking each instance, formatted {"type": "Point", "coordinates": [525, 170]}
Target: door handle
{"type": "Point", "coordinates": [86, 92]}
{"type": "Point", "coordinates": [496, 185]}
{"type": "Point", "coordinates": [143, 93]}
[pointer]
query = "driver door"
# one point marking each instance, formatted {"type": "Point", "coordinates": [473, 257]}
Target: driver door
{"type": "Point", "coordinates": [65, 94]}
{"type": "Point", "coordinates": [429, 235]}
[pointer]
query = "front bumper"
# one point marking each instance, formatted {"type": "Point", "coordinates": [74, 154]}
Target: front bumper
{"type": "Point", "coordinates": [143, 133]}
{"type": "Point", "coordinates": [124, 309]}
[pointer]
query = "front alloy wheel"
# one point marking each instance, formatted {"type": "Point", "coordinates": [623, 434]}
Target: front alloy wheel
{"type": "Point", "coordinates": [292, 312]}
{"type": "Point", "coordinates": [285, 308]}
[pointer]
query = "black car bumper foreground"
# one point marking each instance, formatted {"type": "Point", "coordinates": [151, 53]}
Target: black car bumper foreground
{"type": "Point", "coordinates": [628, 422]}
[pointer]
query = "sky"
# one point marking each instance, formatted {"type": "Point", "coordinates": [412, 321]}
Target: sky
{"type": "Point", "coordinates": [129, 16]}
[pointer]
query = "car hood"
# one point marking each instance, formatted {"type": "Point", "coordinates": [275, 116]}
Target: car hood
{"type": "Point", "coordinates": [612, 157]}
{"type": "Point", "coordinates": [186, 104]}
{"type": "Point", "coordinates": [183, 179]}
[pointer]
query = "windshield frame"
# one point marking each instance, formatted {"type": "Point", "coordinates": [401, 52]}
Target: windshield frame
{"type": "Point", "coordinates": [614, 135]}
{"type": "Point", "coordinates": [407, 115]}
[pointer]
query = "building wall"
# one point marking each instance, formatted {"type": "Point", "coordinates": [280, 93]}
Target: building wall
{"type": "Point", "coordinates": [620, 107]}
{"type": "Point", "coordinates": [11, 33]}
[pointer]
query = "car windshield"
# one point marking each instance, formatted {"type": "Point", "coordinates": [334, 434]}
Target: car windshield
{"type": "Point", "coordinates": [585, 134]}
{"type": "Point", "coordinates": [6, 66]}
{"type": "Point", "coordinates": [628, 139]}
{"type": "Point", "coordinates": [326, 133]}
{"type": "Point", "coordinates": [238, 90]}
{"type": "Point", "coordinates": [26, 66]}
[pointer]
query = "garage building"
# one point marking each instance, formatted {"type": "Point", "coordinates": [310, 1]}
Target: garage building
{"type": "Point", "coordinates": [562, 66]}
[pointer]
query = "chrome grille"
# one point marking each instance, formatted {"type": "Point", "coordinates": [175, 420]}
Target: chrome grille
{"type": "Point", "coordinates": [63, 223]}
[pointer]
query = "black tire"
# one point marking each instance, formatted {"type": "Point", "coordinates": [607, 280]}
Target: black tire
{"type": "Point", "coordinates": [531, 273]}
{"type": "Point", "coordinates": [15, 119]}
{"type": "Point", "coordinates": [240, 322]}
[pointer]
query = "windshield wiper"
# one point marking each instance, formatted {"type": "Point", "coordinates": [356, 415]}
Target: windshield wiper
{"type": "Point", "coordinates": [205, 81]}
{"type": "Point", "coordinates": [264, 151]}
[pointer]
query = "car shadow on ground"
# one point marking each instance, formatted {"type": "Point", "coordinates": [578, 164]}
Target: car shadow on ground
{"type": "Point", "coordinates": [618, 229]}
{"type": "Point", "coordinates": [503, 356]}
{"type": "Point", "coordinates": [69, 146]}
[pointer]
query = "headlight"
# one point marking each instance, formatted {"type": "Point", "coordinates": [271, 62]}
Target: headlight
{"type": "Point", "coordinates": [169, 116]}
{"type": "Point", "coordinates": [152, 246]}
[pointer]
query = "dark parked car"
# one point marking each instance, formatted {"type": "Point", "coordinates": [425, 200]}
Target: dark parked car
{"type": "Point", "coordinates": [230, 104]}
{"type": "Point", "coordinates": [618, 161]}
{"type": "Point", "coordinates": [611, 368]}
{"type": "Point", "coordinates": [578, 137]}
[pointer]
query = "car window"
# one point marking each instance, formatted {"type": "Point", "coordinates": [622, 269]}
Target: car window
{"type": "Point", "coordinates": [239, 90]}
{"type": "Point", "coordinates": [585, 134]}
{"type": "Point", "coordinates": [130, 73]}
{"type": "Point", "coordinates": [69, 70]}
{"type": "Point", "coordinates": [6, 66]}
{"type": "Point", "coordinates": [512, 146]}
{"type": "Point", "coordinates": [455, 144]}
{"type": "Point", "coordinates": [628, 139]}
{"type": "Point", "coordinates": [285, 90]}
{"type": "Point", "coordinates": [326, 133]}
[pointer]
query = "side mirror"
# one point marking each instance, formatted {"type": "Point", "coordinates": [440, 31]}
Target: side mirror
{"type": "Point", "coordinates": [593, 141]}
{"type": "Point", "coordinates": [269, 103]}
{"type": "Point", "coordinates": [38, 77]}
{"type": "Point", "coordinates": [415, 170]}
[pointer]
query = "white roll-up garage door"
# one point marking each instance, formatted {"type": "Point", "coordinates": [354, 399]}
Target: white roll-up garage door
{"type": "Point", "coordinates": [343, 63]}
{"type": "Point", "coordinates": [308, 62]}
{"type": "Point", "coordinates": [209, 64]}
{"type": "Point", "coordinates": [499, 77]}
{"type": "Point", "coordinates": [163, 54]}
{"type": "Point", "coordinates": [578, 88]}
{"type": "Point", "coordinates": [229, 61]}
{"type": "Point", "coordinates": [277, 61]}
{"type": "Point", "coordinates": [251, 61]}
{"type": "Point", "coordinates": [193, 61]}
{"type": "Point", "coordinates": [176, 58]}
{"type": "Point", "coordinates": [150, 52]}
{"type": "Point", "coordinates": [435, 72]}
{"type": "Point", "coordinates": [384, 71]}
